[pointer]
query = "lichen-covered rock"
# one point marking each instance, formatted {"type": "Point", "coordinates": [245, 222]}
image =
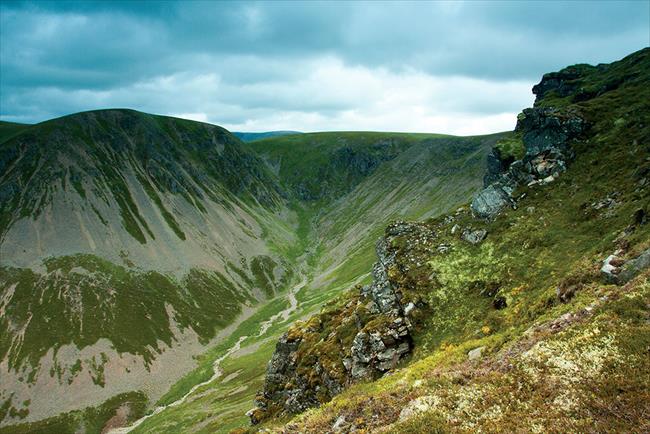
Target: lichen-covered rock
{"type": "Point", "coordinates": [418, 406]}
{"type": "Point", "coordinates": [475, 354]}
{"type": "Point", "coordinates": [617, 271]}
{"type": "Point", "coordinates": [489, 202]}
{"type": "Point", "coordinates": [366, 337]}
{"type": "Point", "coordinates": [474, 236]}
{"type": "Point", "coordinates": [547, 134]}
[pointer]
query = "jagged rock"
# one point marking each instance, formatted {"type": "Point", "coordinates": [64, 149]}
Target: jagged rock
{"type": "Point", "coordinates": [561, 82]}
{"type": "Point", "coordinates": [299, 400]}
{"type": "Point", "coordinates": [380, 290]}
{"type": "Point", "coordinates": [546, 129]}
{"type": "Point", "coordinates": [633, 267]}
{"type": "Point", "coordinates": [379, 352]}
{"type": "Point", "coordinates": [548, 163]}
{"type": "Point", "coordinates": [496, 166]}
{"type": "Point", "coordinates": [489, 202]}
{"type": "Point", "coordinates": [293, 385]}
{"type": "Point", "coordinates": [616, 270]}
{"type": "Point", "coordinates": [455, 229]}
{"type": "Point", "coordinates": [282, 363]}
{"type": "Point", "coordinates": [474, 237]}
{"type": "Point", "coordinates": [546, 134]}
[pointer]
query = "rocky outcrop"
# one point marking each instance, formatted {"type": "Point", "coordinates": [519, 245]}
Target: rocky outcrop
{"type": "Point", "coordinates": [363, 339]}
{"type": "Point", "coordinates": [547, 129]}
{"type": "Point", "coordinates": [563, 82]}
{"type": "Point", "coordinates": [546, 134]}
{"type": "Point", "coordinates": [497, 164]}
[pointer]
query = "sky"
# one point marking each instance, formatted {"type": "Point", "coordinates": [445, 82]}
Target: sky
{"type": "Point", "coordinates": [462, 67]}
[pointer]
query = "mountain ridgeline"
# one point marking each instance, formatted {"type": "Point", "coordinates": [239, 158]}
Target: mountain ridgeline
{"type": "Point", "coordinates": [132, 243]}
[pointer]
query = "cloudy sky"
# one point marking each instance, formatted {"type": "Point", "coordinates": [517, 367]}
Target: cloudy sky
{"type": "Point", "coordinates": [450, 67]}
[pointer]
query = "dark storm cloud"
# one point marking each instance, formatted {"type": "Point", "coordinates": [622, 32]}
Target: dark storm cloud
{"type": "Point", "coordinates": [256, 58]}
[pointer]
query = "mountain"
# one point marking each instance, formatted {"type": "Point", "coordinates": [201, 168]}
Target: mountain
{"type": "Point", "coordinates": [136, 248]}
{"type": "Point", "coordinates": [526, 310]}
{"type": "Point", "coordinates": [160, 275]}
{"type": "Point", "coordinates": [250, 137]}
{"type": "Point", "coordinates": [128, 240]}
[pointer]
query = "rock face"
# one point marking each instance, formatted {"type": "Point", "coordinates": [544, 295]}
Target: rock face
{"type": "Point", "coordinates": [496, 165]}
{"type": "Point", "coordinates": [546, 129]}
{"type": "Point", "coordinates": [559, 82]}
{"type": "Point", "coordinates": [367, 337]}
{"type": "Point", "coordinates": [546, 134]}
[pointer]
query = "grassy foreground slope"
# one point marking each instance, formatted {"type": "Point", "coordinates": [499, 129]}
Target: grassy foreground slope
{"type": "Point", "coordinates": [520, 332]}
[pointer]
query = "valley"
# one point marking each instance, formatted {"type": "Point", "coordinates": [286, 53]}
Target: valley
{"type": "Point", "coordinates": [176, 253]}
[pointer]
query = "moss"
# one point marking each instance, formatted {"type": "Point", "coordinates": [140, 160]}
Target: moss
{"type": "Point", "coordinates": [511, 147]}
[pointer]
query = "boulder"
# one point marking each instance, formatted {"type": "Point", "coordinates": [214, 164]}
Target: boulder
{"type": "Point", "coordinates": [617, 271]}
{"type": "Point", "coordinates": [475, 354]}
{"type": "Point", "coordinates": [489, 202]}
{"type": "Point", "coordinates": [634, 266]}
{"type": "Point", "coordinates": [474, 236]}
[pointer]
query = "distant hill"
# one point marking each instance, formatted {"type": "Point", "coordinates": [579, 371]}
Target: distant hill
{"type": "Point", "coordinates": [250, 137]}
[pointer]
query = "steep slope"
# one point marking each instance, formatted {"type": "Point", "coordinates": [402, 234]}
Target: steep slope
{"type": "Point", "coordinates": [128, 240]}
{"type": "Point", "coordinates": [132, 243]}
{"type": "Point", "coordinates": [531, 312]}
